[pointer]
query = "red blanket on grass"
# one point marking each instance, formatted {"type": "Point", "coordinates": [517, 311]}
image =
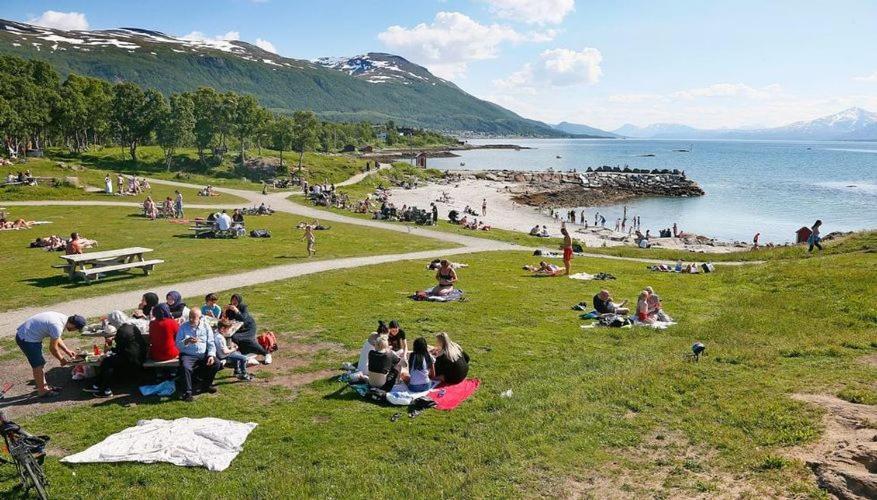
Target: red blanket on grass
{"type": "Point", "coordinates": [453, 394]}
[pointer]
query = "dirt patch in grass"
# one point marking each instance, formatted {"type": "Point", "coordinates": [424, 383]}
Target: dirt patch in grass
{"type": "Point", "coordinates": [665, 465]}
{"type": "Point", "coordinates": [844, 460]}
{"type": "Point", "coordinates": [870, 359]}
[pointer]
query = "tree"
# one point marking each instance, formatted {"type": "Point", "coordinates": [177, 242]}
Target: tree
{"type": "Point", "coordinates": [304, 133]}
{"type": "Point", "coordinates": [246, 117]}
{"type": "Point", "coordinates": [176, 125]}
{"type": "Point", "coordinates": [392, 134]}
{"type": "Point", "coordinates": [281, 135]}
{"type": "Point", "coordinates": [206, 101]}
{"type": "Point", "coordinates": [135, 114]}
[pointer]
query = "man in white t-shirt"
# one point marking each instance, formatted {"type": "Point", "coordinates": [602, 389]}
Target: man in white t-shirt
{"type": "Point", "coordinates": [223, 221]}
{"type": "Point", "coordinates": [30, 336]}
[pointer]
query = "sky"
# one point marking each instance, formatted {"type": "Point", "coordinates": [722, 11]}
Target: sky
{"type": "Point", "coordinates": [713, 64]}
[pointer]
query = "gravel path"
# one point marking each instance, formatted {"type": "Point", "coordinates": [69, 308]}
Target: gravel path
{"type": "Point", "coordinates": [96, 306]}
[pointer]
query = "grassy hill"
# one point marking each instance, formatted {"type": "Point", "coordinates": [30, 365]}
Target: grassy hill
{"type": "Point", "coordinates": [283, 84]}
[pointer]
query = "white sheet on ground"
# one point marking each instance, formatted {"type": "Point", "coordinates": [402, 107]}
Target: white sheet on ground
{"type": "Point", "coordinates": [581, 276]}
{"type": "Point", "coordinates": [192, 442]}
{"type": "Point", "coordinates": [400, 396]}
{"type": "Point", "coordinates": [657, 325]}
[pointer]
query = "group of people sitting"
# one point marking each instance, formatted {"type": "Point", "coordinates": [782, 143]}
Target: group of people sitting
{"type": "Point", "coordinates": [690, 268]}
{"type": "Point", "coordinates": [21, 178]}
{"type": "Point", "coordinates": [649, 309]}
{"type": "Point", "coordinates": [169, 209]}
{"type": "Point", "coordinates": [170, 330]}
{"type": "Point", "coordinates": [126, 186]}
{"type": "Point", "coordinates": [208, 191]}
{"type": "Point", "coordinates": [542, 233]}
{"type": "Point", "coordinates": [74, 245]}
{"type": "Point", "coordinates": [386, 360]}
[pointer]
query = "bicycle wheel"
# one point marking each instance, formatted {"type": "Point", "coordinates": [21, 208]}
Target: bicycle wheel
{"type": "Point", "coordinates": [36, 479]}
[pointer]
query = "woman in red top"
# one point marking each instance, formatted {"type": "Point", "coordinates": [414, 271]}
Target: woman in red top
{"type": "Point", "coordinates": [163, 334]}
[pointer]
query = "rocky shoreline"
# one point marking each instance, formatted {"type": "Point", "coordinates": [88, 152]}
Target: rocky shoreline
{"type": "Point", "coordinates": [605, 185]}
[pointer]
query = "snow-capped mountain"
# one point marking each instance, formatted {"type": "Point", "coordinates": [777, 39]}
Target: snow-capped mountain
{"type": "Point", "coordinates": [853, 124]}
{"type": "Point", "coordinates": [377, 67]}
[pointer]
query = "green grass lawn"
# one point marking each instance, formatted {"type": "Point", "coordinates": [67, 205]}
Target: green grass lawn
{"type": "Point", "coordinates": [94, 178]}
{"type": "Point", "coordinates": [587, 405]}
{"type": "Point", "coordinates": [28, 278]}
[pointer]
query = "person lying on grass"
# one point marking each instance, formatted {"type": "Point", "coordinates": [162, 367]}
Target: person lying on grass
{"type": "Point", "coordinates": [446, 277]}
{"type": "Point", "coordinates": [545, 269]}
{"type": "Point", "coordinates": [17, 224]}
{"type": "Point", "coordinates": [603, 304]}
{"type": "Point", "coordinates": [451, 362]}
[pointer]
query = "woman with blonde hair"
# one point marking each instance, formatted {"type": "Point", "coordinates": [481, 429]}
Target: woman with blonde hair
{"type": "Point", "coordinates": [451, 362]}
{"type": "Point", "coordinates": [382, 362]}
{"type": "Point", "coordinates": [642, 309]}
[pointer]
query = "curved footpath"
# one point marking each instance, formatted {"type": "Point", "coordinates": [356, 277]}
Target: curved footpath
{"type": "Point", "coordinates": [96, 306]}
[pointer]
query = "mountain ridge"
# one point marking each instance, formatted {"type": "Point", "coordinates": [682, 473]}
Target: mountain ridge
{"type": "Point", "coordinates": [173, 64]}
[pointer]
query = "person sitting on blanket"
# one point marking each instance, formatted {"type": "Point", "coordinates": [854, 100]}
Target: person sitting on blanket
{"type": "Point", "coordinates": [126, 361]}
{"type": "Point", "coordinates": [446, 277]}
{"type": "Point", "coordinates": [383, 365]}
{"type": "Point", "coordinates": [228, 355]}
{"type": "Point", "coordinates": [396, 337]}
{"type": "Point", "coordinates": [421, 367]}
{"type": "Point", "coordinates": [245, 337]}
{"type": "Point", "coordinates": [656, 309]}
{"type": "Point", "coordinates": [451, 362]}
{"type": "Point", "coordinates": [237, 216]}
{"type": "Point", "coordinates": [178, 308]}
{"type": "Point", "coordinates": [162, 334]}
{"type": "Point", "coordinates": [642, 309]}
{"type": "Point", "coordinates": [147, 303]}
{"type": "Point", "coordinates": [603, 304]}
{"type": "Point", "coordinates": [210, 309]}
{"type": "Point", "coordinates": [197, 346]}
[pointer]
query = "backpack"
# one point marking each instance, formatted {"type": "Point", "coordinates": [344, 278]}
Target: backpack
{"type": "Point", "coordinates": [268, 341]}
{"type": "Point", "coordinates": [615, 321]}
{"type": "Point", "coordinates": [260, 233]}
{"type": "Point", "coordinates": [708, 267]}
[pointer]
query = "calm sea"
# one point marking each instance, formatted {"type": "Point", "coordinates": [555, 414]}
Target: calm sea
{"type": "Point", "coordinates": [771, 187]}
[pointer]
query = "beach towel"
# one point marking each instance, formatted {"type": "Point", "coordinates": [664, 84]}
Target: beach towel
{"type": "Point", "coordinates": [191, 442]}
{"type": "Point", "coordinates": [166, 388]}
{"type": "Point", "coordinates": [448, 397]}
{"type": "Point", "coordinates": [399, 395]}
{"type": "Point", "coordinates": [581, 276]}
{"type": "Point", "coordinates": [455, 295]}
{"type": "Point", "coordinates": [657, 325]}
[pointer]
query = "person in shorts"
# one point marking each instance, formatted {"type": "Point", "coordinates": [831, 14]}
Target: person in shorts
{"type": "Point", "coordinates": [30, 335]}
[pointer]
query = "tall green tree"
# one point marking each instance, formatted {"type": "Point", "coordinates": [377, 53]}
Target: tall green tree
{"type": "Point", "coordinates": [392, 134]}
{"type": "Point", "coordinates": [281, 135]}
{"type": "Point", "coordinates": [207, 103]}
{"type": "Point", "coordinates": [176, 125]}
{"type": "Point", "coordinates": [135, 114]}
{"type": "Point", "coordinates": [304, 133]}
{"type": "Point", "coordinates": [246, 118]}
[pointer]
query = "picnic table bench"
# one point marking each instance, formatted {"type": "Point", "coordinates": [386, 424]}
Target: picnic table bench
{"type": "Point", "coordinates": [89, 266]}
{"type": "Point", "coordinates": [205, 228]}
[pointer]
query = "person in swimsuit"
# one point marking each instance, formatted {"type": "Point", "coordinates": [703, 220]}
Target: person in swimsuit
{"type": "Point", "coordinates": [567, 250]}
{"type": "Point", "coordinates": [446, 277]}
{"type": "Point", "coordinates": [312, 240]}
{"type": "Point", "coordinates": [642, 309]}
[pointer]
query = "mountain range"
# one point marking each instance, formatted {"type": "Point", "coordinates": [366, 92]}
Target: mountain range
{"type": "Point", "coordinates": [853, 124]}
{"type": "Point", "coordinates": [375, 87]}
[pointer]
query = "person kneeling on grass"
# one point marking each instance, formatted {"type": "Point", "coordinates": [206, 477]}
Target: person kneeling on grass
{"type": "Point", "coordinates": [451, 362]}
{"type": "Point", "coordinates": [421, 367]}
{"type": "Point", "coordinates": [446, 277]}
{"type": "Point", "coordinates": [642, 309]}
{"type": "Point", "coordinates": [229, 355]}
{"type": "Point", "coordinates": [382, 365]}
{"type": "Point", "coordinates": [29, 337]}
{"type": "Point", "coordinates": [245, 337]}
{"type": "Point", "coordinates": [197, 346]}
{"type": "Point", "coordinates": [604, 305]}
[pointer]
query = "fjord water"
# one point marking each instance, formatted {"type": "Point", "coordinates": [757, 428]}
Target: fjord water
{"type": "Point", "coordinates": [771, 187]}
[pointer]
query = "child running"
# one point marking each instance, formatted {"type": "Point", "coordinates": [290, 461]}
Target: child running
{"type": "Point", "coordinates": [312, 240]}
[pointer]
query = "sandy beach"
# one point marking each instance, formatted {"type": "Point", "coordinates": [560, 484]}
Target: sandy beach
{"type": "Point", "coordinates": [503, 213]}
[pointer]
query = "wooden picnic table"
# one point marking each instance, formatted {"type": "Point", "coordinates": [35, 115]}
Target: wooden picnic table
{"type": "Point", "coordinates": [90, 265]}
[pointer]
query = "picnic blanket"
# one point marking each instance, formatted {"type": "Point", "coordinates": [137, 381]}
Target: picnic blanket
{"type": "Point", "coordinates": [191, 442]}
{"type": "Point", "coordinates": [657, 325]}
{"type": "Point", "coordinates": [448, 397]}
{"type": "Point", "coordinates": [455, 295]}
{"type": "Point", "coordinates": [581, 276]}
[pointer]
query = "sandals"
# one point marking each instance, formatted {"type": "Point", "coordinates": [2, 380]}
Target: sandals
{"type": "Point", "coordinates": [52, 393]}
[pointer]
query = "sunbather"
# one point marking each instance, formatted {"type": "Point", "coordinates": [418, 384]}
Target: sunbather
{"type": "Point", "coordinates": [656, 309]}
{"type": "Point", "coordinates": [73, 246]}
{"type": "Point", "coordinates": [446, 277]}
{"type": "Point", "coordinates": [642, 309]}
{"type": "Point", "coordinates": [451, 362]}
{"type": "Point", "coordinates": [545, 269]}
{"type": "Point", "coordinates": [604, 305]}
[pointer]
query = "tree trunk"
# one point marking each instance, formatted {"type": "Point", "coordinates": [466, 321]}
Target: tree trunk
{"type": "Point", "coordinates": [301, 155]}
{"type": "Point", "coordinates": [281, 157]}
{"type": "Point", "coordinates": [243, 158]}
{"type": "Point", "coordinates": [132, 148]}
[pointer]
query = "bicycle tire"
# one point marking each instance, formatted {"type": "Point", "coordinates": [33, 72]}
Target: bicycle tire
{"type": "Point", "coordinates": [36, 478]}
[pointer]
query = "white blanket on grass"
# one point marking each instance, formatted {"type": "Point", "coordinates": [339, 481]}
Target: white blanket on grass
{"type": "Point", "coordinates": [657, 325]}
{"type": "Point", "coordinates": [399, 395]}
{"type": "Point", "coordinates": [192, 442]}
{"type": "Point", "coordinates": [581, 276]}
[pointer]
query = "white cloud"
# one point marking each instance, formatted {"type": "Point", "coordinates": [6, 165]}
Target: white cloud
{"type": "Point", "coordinates": [265, 45]}
{"type": "Point", "coordinates": [558, 68]}
{"type": "Point", "coordinates": [61, 20]}
{"type": "Point", "coordinates": [872, 78]}
{"type": "Point", "coordinates": [730, 90]}
{"type": "Point", "coordinates": [198, 36]}
{"type": "Point", "coordinates": [453, 40]}
{"type": "Point", "coordinates": [532, 11]}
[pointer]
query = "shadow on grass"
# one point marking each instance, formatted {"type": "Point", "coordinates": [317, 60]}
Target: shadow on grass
{"type": "Point", "coordinates": [64, 282]}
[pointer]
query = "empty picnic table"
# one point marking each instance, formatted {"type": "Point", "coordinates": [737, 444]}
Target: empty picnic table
{"type": "Point", "coordinates": [91, 265]}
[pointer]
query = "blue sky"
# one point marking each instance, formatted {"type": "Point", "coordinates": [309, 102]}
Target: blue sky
{"type": "Point", "coordinates": [707, 64]}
